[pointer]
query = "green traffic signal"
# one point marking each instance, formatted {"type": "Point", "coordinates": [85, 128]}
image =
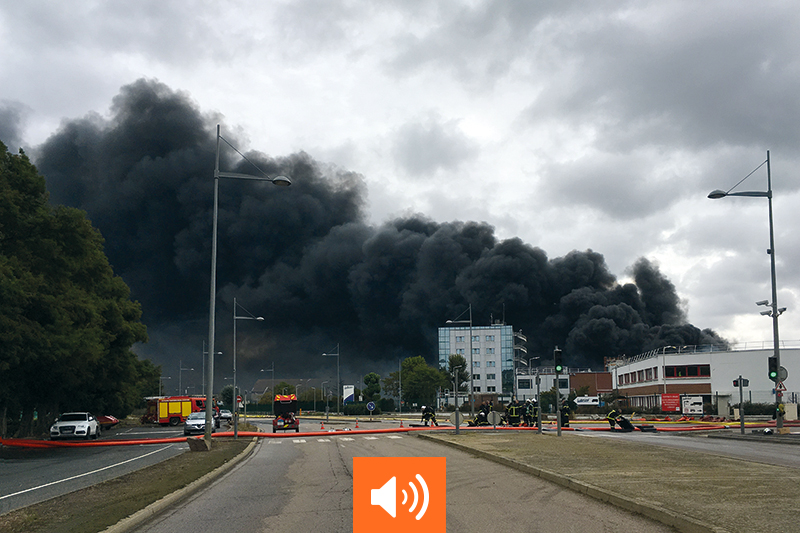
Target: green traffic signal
{"type": "Point", "coordinates": [773, 368]}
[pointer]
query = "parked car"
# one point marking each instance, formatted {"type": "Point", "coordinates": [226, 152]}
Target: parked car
{"type": "Point", "coordinates": [196, 423]}
{"type": "Point", "coordinates": [225, 415]}
{"type": "Point", "coordinates": [75, 425]}
{"type": "Point", "coordinates": [107, 421]}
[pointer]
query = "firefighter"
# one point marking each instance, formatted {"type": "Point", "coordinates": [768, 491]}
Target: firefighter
{"type": "Point", "coordinates": [428, 414]}
{"type": "Point", "coordinates": [612, 418]}
{"type": "Point", "coordinates": [526, 413]}
{"type": "Point", "coordinates": [533, 413]}
{"type": "Point", "coordinates": [514, 411]}
{"type": "Point", "coordinates": [565, 414]}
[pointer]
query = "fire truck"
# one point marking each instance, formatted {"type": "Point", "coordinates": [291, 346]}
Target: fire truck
{"type": "Point", "coordinates": [173, 410]}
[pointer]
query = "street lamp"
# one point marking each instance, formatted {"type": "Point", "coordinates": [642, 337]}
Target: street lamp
{"type": "Point", "coordinates": [775, 311]}
{"type": "Point", "coordinates": [180, 374]}
{"type": "Point", "coordinates": [338, 382]}
{"type": "Point", "coordinates": [278, 180]}
{"type": "Point", "coordinates": [161, 383]}
{"type": "Point", "coordinates": [471, 368]}
{"type": "Point", "coordinates": [235, 396]}
{"type": "Point", "coordinates": [205, 354]}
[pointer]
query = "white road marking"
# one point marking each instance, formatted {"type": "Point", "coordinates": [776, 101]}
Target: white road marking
{"type": "Point", "coordinates": [84, 474]}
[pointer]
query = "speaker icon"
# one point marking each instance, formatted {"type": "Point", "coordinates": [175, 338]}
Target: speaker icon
{"type": "Point", "coordinates": [386, 497]}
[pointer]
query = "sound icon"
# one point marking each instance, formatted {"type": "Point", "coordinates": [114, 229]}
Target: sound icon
{"type": "Point", "coordinates": [386, 497]}
{"type": "Point", "coordinates": [406, 501]}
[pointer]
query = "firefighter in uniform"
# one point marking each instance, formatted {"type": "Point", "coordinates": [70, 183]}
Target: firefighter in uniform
{"type": "Point", "coordinates": [526, 413]}
{"type": "Point", "coordinates": [533, 413]}
{"type": "Point", "coordinates": [565, 414]}
{"type": "Point", "coordinates": [513, 412]}
{"type": "Point", "coordinates": [612, 418]}
{"type": "Point", "coordinates": [428, 414]}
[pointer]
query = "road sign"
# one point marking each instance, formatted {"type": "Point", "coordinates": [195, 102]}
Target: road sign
{"type": "Point", "coordinates": [780, 386]}
{"type": "Point", "coordinates": [782, 374]}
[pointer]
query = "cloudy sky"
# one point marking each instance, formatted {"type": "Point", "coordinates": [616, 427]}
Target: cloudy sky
{"type": "Point", "coordinates": [571, 125]}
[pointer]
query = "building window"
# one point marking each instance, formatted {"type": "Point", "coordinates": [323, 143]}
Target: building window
{"type": "Point", "coordinates": [491, 363]}
{"type": "Point", "coordinates": [476, 351]}
{"type": "Point", "coordinates": [476, 376]}
{"type": "Point", "coordinates": [687, 371]}
{"type": "Point", "coordinates": [476, 364]}
{"type": "Point", "coordinates": [461, 351]}
{"type": "Point", "coordinates": [490, 351]}
{"type": "Point", "coordinates": [524, 384]}
{"type": "Point", "coordinates": [476, 338]}
{"type": "Point", "coordinates": [491, 389]}
{"type": "Point", "coordinates": [489, 338]}
{"type": "Point", "coordinates": [491, 376]}
{"type": "Point", "coordinates": [459, 338]}
{"type": "Point", "coordinates": [476, 389]}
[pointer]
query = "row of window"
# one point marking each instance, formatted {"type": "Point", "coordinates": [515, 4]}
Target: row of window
{"type": "Point", "coordinates": [670, 372]}
{"type": "Point", "coordinates": [488, 389]}
{"type": "Point", "coordinates": [475, 338]}
{"type": "Point", "coordinates": [477, 364]}
{"type": "Point", "coordinates": [475, 351]}
{"type": "Point", "coordinates": [488, 376]}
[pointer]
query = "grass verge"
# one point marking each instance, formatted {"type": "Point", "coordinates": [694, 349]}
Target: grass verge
{"type": "Point", "coordinates": [95, 508]}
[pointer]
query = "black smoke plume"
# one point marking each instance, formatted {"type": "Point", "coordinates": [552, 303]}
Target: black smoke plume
{"type": "Point", "coordinates": [306, 260]}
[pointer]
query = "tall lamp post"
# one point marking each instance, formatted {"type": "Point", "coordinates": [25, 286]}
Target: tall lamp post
{"type": "Point", "coordinates": [471, 368]}
{"type": "Point", "coordinates": [235, 396]}
{"type": "Point", "coordinates": [338, 381]}
{"type": "Point", "coordinates": [278, 180]}
{"type": "Point", "coordinates": [180, 375]}
{"type": "Point", "coordinates": [775, 311]}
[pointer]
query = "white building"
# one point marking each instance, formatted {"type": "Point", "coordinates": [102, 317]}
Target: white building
{"type": "Point", "coordinates": [706, 371]}
{"type": "Point", "coordinates": [489, 348]}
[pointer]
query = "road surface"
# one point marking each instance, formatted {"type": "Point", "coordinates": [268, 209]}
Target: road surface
{"type": "Point", "coordinates": [305, 484]}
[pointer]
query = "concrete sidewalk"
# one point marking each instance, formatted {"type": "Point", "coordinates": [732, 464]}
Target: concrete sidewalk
{"type": "Point", "coordinates": [693, 492]}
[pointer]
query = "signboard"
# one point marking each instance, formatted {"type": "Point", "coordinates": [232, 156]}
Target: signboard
{"type": "Point", "coordinates": [587, 400]}
{"type": "Point", "coordinates": [692, 405]}
{"type": "Point", "coordinates": [349, 393]}
{"type": "Point", "coordinates": [671, 403]}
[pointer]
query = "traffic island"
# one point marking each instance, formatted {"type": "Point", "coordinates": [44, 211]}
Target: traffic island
{"type": "Point", "coordinates": [689, 490]}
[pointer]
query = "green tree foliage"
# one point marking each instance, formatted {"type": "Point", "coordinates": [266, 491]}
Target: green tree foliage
{"type": "Point", "coordinates": [420, 382]}
{"type": "Point", "coordinates": [459, 362]}
{"type": "Point", "coordinates": [372, 387]}
{"type": "Point", "coordinates": [67, 323]}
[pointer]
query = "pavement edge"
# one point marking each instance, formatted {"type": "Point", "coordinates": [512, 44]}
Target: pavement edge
{"type": "Point", "coordinates": [143, 515]}
{"type": "Point", "coordinates": [654, 512]}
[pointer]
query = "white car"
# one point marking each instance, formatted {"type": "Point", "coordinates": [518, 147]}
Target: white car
{"type": "Point", "coordinates": [196, 423]}
{"type": "Point", "coordinates": [75, 425]}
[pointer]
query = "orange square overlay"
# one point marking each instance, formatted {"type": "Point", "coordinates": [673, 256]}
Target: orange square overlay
{"type": "Point", "coordinates": [399, 494]}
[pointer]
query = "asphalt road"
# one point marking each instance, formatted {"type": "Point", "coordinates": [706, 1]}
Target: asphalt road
{"type": "Point", "coordinates": [305, 484]}
{"type": "Point", "coordinates": [31, 475]}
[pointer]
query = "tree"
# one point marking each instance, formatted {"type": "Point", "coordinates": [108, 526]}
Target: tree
{"type": "Point", "coordinates": [420, 381]}
{"type": "Point", "coordinates": [67, 322]}
{"type": "Point", "coordinates": [456, 361]}
{"type": "Point", "coordinates": [372, 387]}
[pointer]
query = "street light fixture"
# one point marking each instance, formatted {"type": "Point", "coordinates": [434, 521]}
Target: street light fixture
{"type": "Point", "coordinates": [338, 381]}
{"type": "Point", "coordinates": [180, 375]}
{"type": "Point", "coordinates": [235, 395]}
{"type": "Point", "coordinates": [278, 180]}
{"type": "Point", "coordinates": [775, 311]}
{"type": "Point", "coordinates": [471, 368]}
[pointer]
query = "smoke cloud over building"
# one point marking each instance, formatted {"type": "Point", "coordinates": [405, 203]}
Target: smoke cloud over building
{"type": "Point", "coordinates": [306, 259]}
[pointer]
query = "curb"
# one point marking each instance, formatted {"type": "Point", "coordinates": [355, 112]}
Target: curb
{"type": "Point", "coordinates": [143, 515]}
{"type": "Point", "coordinates": [654, 512]}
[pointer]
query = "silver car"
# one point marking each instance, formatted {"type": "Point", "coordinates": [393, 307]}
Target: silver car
{"type": "Point", "coordinates": [196, 423]}
{"type": "Point", "coordinates": [75, 425]}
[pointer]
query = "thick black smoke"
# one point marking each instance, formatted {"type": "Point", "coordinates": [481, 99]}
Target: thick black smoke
{"type": "Point", "coordinates": [305, 259]}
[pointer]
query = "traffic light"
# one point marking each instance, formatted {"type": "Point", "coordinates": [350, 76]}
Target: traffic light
{"type": "Point", "coordinates": [773, 368]}
{"type": "Point", "coordinates": [557, 361]}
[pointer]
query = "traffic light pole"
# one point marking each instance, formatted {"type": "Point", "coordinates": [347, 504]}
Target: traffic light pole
{"type": "Point", "coordinates": [741, 403]}
{"type": "Point", "coordinates": [557, 366]}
